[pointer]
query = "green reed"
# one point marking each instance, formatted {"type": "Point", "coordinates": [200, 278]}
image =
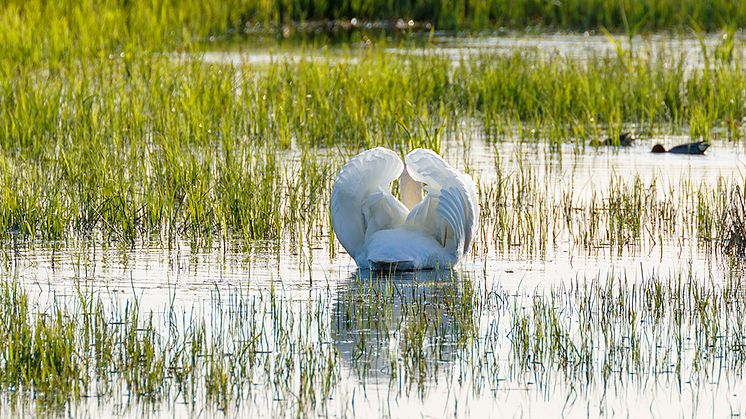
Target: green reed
{"type": "Point", "coordinates": [240, 350]}
{"type": "Point", "coordinates": [61, 352]}
{"type": "Point", "coordinates": [73, 27]}
{"type": "Point", "coordinates": [531, 212]}
{"type": "Point", "coordinates": [144, 145]}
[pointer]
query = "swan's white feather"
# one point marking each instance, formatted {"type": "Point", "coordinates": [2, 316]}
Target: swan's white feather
{"type": "Point", "coordinates": [406, 249]}
{"type": "Point", "coordinates": [377, 230]}
{"type": "Point", "coordinates": [362, 188]}
{"type": "Point", "coordinates": [382, 211]}
{"type": "Point", "coordinates": [471, 187]}
{"type": "Point", "coordinates": [450, 198]}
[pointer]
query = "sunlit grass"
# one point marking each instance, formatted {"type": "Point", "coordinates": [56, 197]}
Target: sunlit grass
{"type": "Point", "coordinates": [115, 133]}
{"type": "Point", "coordinates": [240, 350]}
{"type": "Point", "coordinates": [145, 145]}
{"type": "Point", "coordinates": [103, 26]}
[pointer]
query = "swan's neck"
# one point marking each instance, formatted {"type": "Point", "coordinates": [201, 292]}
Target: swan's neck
{"type": "Point", "coordinates": [410, 190]}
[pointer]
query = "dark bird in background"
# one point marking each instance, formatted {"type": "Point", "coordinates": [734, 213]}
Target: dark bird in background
{"type": "Point", "coordinates": [698, 147]}
{"type": "Point", "coordinates": [625, 139]}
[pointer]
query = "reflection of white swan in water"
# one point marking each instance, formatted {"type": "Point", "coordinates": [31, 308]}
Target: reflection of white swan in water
{"type": "Point", "coordinates": [381, 232]}
{"type": "Point", "coordinates": [378, 315]}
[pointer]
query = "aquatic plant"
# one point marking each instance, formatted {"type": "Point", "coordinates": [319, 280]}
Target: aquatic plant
{"type": "Point", "coordinates": [150, 146]}
{"type": "Point", "coordinates": [241, 351]}
{"type": "Point", "coordinates": [94, 26]}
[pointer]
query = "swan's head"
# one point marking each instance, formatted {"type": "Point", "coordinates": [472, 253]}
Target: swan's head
{"type": "Point", "coordinates": [410, 190]}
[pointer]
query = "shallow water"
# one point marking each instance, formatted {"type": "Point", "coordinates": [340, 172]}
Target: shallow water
{"type": "Point", "coordinates": [577, 47]}
{"type": "Point", "coordinates": [153, 268]}
{"type": "Point", "coordinates": [183, 279]}
{"type": "Point", "coordinates": [466, 365]}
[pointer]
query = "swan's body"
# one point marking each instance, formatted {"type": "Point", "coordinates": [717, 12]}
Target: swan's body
{"type": "Point", "coordinates": [381, 232]}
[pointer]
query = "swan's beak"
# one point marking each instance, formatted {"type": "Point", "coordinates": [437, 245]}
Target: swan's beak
{"type": "Point", "coordinates": [410, 190]}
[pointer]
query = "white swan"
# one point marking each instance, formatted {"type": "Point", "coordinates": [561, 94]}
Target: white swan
{"type": "Point", "coordinates": [381, 232]}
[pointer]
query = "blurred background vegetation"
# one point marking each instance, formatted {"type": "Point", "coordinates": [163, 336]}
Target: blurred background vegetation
{"type": "Point", "coordinates": [36, 27]}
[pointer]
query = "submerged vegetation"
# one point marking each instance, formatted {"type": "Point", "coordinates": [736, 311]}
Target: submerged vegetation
{"type": "Point", "coordinates": [119, 130]}
{"type": "Point", "coordinates": [242, 352]}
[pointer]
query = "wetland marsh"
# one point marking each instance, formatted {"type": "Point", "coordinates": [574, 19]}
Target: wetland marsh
{"type": "Point", "coordinates": [167, 247]}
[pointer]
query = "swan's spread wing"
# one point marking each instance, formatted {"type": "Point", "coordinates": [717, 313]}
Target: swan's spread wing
{"type": "Point", "coordinates": [449, 212]}
{"type": "Point", "coordinates": [361, 201]}
{"type": "Point", "coordinates": [472, 188]}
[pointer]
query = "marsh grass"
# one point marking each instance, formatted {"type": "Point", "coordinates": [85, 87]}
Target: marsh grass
{"type": "Point", "coordinates": [114, 131]}
{"type": "Point", "coordinates": [74, 349]}
{"type": "Point", "coordinates": [240, 350]}
{"type": "Point", "coordinates": [529, 213]}
{"type": "Point", "coordinates": [616, 328]}
{"type": "Point", "coordinates": [147, 146]}
{"type": "Point", "coordinates": [732, 226]}
{"type": "Point", "coordinates": [91, 26]}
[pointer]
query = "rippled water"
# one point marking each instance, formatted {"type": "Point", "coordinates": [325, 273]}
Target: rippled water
{"type": "Point", "coordinates": [183, 278]}
{"type": "Point", "coordinates": [193, 273]}
{"type": "Point", "coordinates": [460, 378]}
{"type": "Point", "coordinates": [577, 47]}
